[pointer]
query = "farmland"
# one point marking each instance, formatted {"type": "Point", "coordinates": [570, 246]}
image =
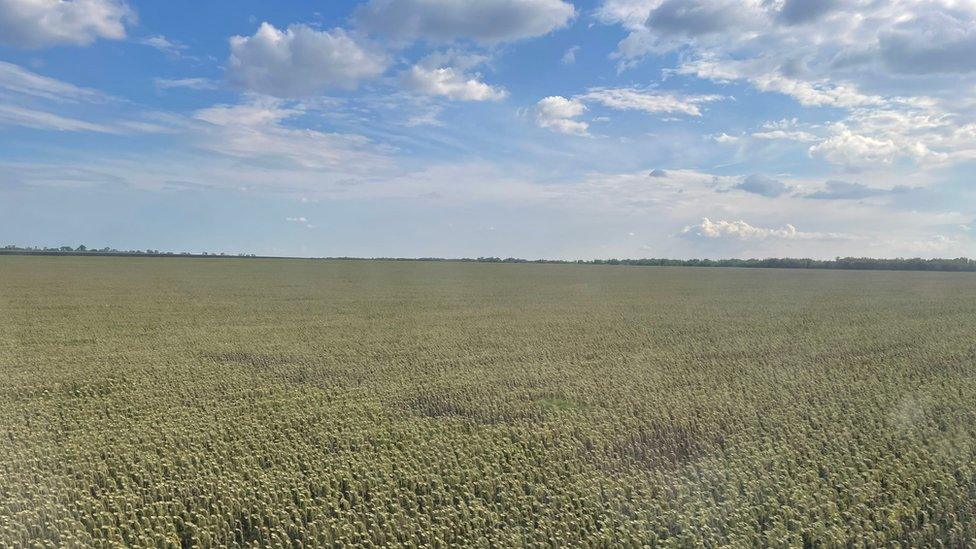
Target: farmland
{"type": "Point", "coordinates": [194, 402]}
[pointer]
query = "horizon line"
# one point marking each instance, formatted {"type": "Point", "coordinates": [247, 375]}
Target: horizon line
{"type": "Point", "coordinates": [957, 264]}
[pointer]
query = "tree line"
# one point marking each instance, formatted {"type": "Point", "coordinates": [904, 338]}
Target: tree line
{"type": "Point", "coordinates": [838, 263]}
{"type": "Point", "coordinates": [852, 263]}
{"type": "Point", "coordinates": [85, 250]}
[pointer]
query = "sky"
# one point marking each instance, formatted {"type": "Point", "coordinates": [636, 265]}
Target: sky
{"type": "Point", "coordinates": [550, 129]}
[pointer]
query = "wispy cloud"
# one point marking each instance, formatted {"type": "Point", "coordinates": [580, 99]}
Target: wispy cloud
{"type": "Point", "coordinates": [159, 42]}
{"type": "Point", "coordinates": [301, 220]}
{"type": "Point", "coordinates": [650, 101]}
{"type": "Point", "coordinates": [196, 83]}
{"type": "Point", "coordinates": [30, 100]}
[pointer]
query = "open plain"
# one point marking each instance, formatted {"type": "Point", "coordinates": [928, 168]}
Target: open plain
{"type": "Point", "coordinates": [239, 402]}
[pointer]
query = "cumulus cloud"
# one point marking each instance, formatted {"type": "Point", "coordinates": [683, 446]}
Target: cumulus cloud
{"type": "Point", "coordinates": [797, 12]}
{"type": "Point", "coordinates": [558, 113]}
{"type": "Point", "coordinates": [861, 58]}
{"type": "Point", "coordinates": [43, 23]}
{"type": "Point", "coordinates": [762, 185]}
{"type": "Point", "coordinates": [301, 61]}
{"type": "Point", "coordinates": [911, 35]}
{"type": "Point", "coordinates": [740, 230]}
{"type": "Point", "coordinates": [450, 83]}
{"type": "Point", "coordinates": [694, 18]}
{"type": "Point", "coordinates": [657, 26]}
{"type": "Point", "coordinates": [648, 100]}
{"type": "Point", "coordinates": [850, 149]}
{"type": "Point", "coordinates": [484, 21]}
{"type": "Point", "coordinates": [933, 42]}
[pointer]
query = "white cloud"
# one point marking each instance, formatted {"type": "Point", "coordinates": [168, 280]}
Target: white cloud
{"type": "Point", "coordinates": [724, 138]}
{"type": "Point", "coordinates": [443, 73]}
{"type": "Point", "coordinates": [256, 131]}
{"type": "Point", "coordinates": [786, 135]}
{"type": "Point", "coordinates": [908, 36]}
{"type": "Point", "coordinates": [569, 57]}
{"type": "Point", "coordinates": [816, 93]}
{"type": "Point", "coordinates": [451, 83]}
{"type": "Point", "coordinates": [865, 145]}
{"type": "Point", "coordinates": [483, 21]}
{"type": "Point", "coordinates": [557, 113]}
{"type": "Point", "coordinates": [559, 107]}
{"type": "Point", "coordinates": [564, 125]}
{"type": "Point", "coordinates": [16, 79]}
{"type": "Point", "coordinates": [300, 220]}
{"type": "Point", "coordinates": [740, 230]}
{"type": "Point", "coordinates": [426, 117]}
{"type": "Point", "coordinates": [659, 26]}
{"type": "Point", "coordinates": [648, 101]}
{"type": "Point", "coordinates": [42, 23]}
{"type": "Point", "coordinates": [301, 61]}
{"type": "Point", "coordinates": [896, 76]}
{"type": "Point", "coordinates": [811, 93]}
{"type": "Point", "coordinates": [31, 100]}
{"type": "Point", "coordinates": [629, 13]}
{"type": "Point", "coordinates": [42, 120]}
{"type": "Point", "coordinates": [847, 148]}
{"type": "Point", "coordinates": [188, 83]}
{"type": "Point", "coordinates": [787, 130]}
{"type": "Point", "coordinates": [165, 45]}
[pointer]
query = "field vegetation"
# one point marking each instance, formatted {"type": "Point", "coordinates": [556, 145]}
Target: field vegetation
{"type": "Point", "coordinates": [195, 402]}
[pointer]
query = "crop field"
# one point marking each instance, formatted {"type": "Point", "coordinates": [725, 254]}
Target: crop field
{"type": "Point", "coordinates": [248, 402]}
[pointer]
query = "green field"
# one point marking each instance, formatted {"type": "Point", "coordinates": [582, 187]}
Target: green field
{"type": "Point", "coordinates": [195, 402]}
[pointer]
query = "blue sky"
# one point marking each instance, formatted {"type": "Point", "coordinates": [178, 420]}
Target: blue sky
{"type": "Point", "coordinates": [528, 128]}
